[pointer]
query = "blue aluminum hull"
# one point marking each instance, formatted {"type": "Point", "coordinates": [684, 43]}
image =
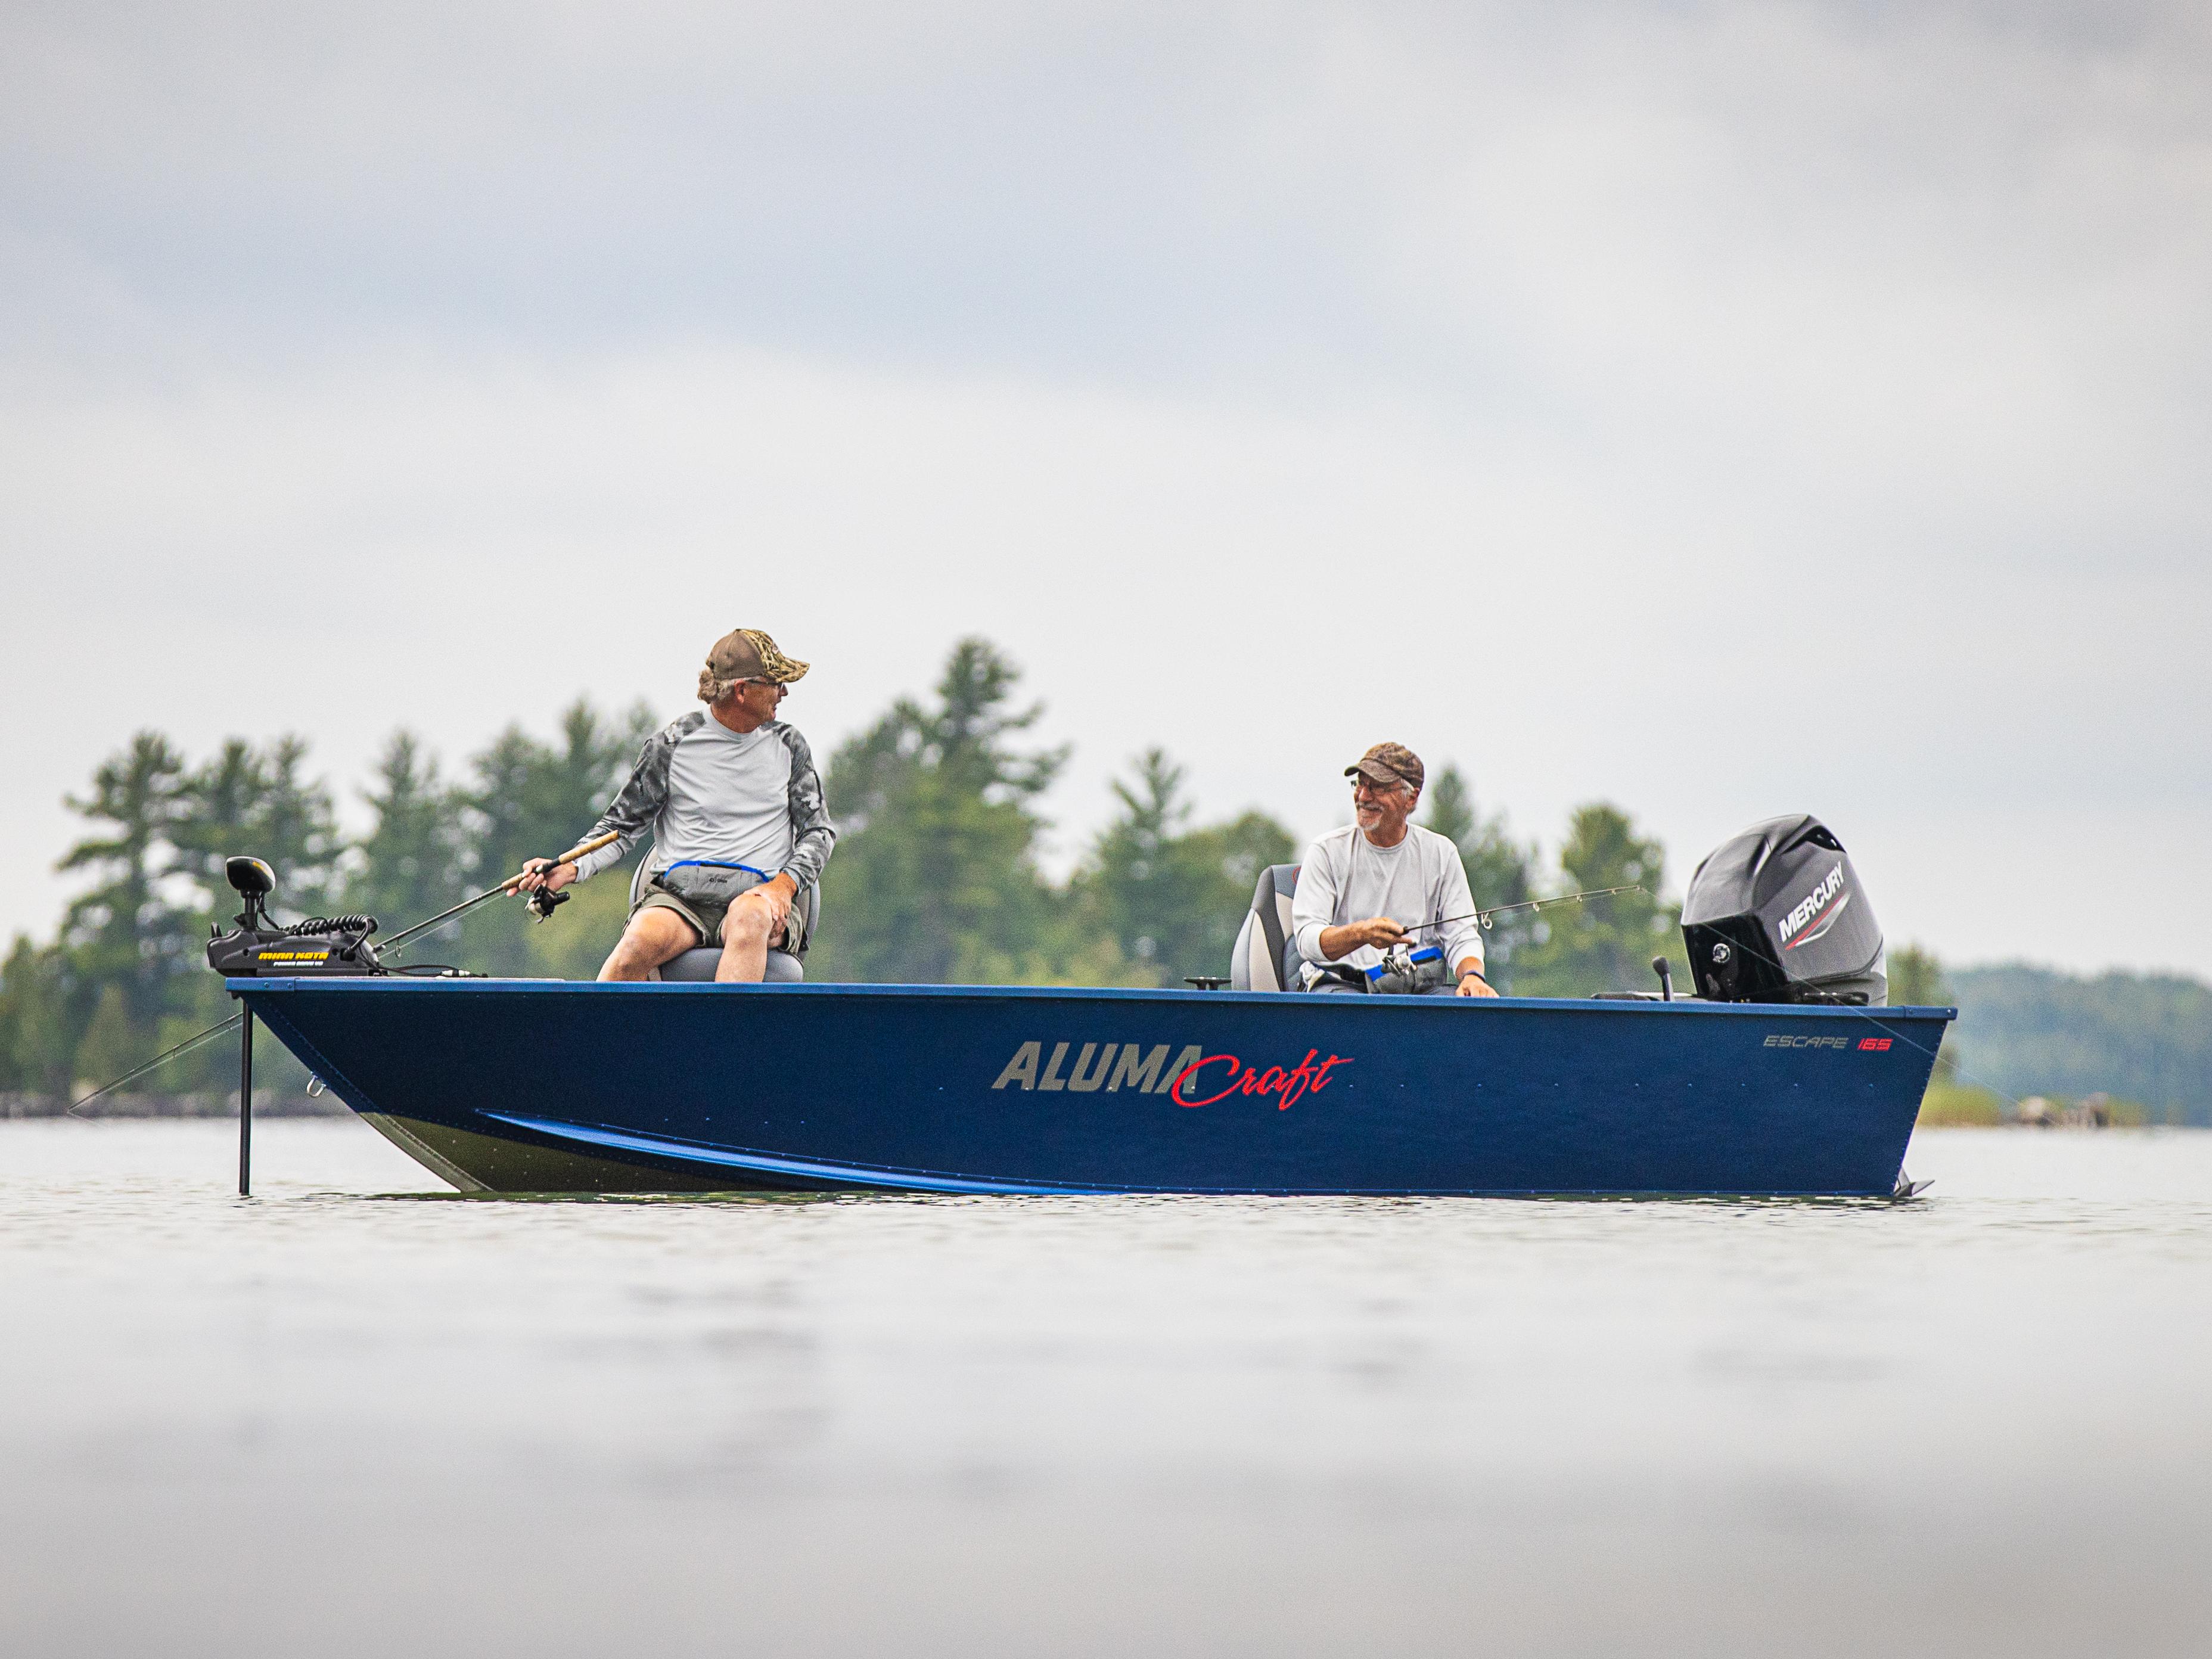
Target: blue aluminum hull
{"type": "Point", "coordinates": [527, 1085]}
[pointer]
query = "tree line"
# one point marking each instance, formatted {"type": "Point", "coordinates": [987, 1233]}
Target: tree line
{"type": "Point", "coordinates": [938, 876]}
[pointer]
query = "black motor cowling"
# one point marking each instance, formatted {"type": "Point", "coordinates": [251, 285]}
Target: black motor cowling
{"type": "Point", "coordinates": [316, 948]}
{"type": "Point", "coordinates": [1777, 915]}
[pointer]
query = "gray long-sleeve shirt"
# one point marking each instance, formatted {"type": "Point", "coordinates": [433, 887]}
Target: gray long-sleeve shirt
{"type": "Point", "coordinates": [1347, 877]}
{"type": "Point", "coordinates": [706, 791]}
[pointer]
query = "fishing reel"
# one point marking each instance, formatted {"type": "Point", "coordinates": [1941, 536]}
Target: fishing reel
{"type": "Point", "coordinates": [1406, 973]}
{"type": "Point", "coordinates": [320, 946]}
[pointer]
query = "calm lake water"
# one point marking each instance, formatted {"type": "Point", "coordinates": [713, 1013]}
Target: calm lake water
{"type": "Point", "coordinates": [337, 1421]}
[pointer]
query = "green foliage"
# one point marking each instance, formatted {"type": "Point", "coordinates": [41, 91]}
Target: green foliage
{"type": "Point", "coordinates": [1170, 897]}
{"type": "Point", "coordinates": [1915, 979]}
{"type": "Point", "coordinates": [125, 933]}
{"type": "Point", "coordinates": [1948, 1105]}
{"type": "Point", "coordinates": [415, 859]}
{"type": "Point", "coordinates": [113, 1041]}
{"type": "Point", "coordinates": [935, 879]}
{"type": "Point", "coordinates": [256, 801]}
{"type": "Point", "coordinates": [36, 1033]}
{"type": "Point", "coordinates": [533, 799]}
{"type": "Point", "coordinates": [575, 941]}
{"type": "Point", "coordinates": [1499, 870]}
{"type": "Point", "coordinates": [126, 976]}
{"type": "Point", "coordinates": [1604, 945]}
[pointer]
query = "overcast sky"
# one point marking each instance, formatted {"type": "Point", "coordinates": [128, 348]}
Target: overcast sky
{"type": "Point", "coordinates": [1722, 410]}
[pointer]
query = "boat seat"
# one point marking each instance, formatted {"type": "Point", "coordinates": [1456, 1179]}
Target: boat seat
{"type": "Point", "coordinates": [1266, 957]}
{"type": "Point", "coordinates": [697, 967]}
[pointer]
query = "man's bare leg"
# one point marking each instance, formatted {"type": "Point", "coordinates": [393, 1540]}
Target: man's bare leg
{"type": "Point", "coordinates": [656, 935]}
{"type": "Point", "coordinates": [746, 928]}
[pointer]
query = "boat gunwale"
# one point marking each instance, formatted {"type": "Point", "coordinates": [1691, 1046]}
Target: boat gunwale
{"type": "Point", "coordinates": [386, 984]}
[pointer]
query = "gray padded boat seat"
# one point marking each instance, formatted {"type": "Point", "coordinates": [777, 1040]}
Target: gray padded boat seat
{"type": "Point", "coordinates": [1266, 957]}
{"type": "Point", "coordinates": [697, 967]}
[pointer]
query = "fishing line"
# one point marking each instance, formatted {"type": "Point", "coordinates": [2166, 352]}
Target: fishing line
{"type": "Point", "coordinates": [187, 1045]}
{"type": "Point", "coordinates": [1483, 917]}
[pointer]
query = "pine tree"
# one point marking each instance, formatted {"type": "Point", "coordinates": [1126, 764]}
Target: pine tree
{"type": "Point", "coordinates": [410, 866]}
{"type": "Point", "coordinates": [1172, 897]}
{"type": "Point", "coordinates": [1604, 945]}
{"type": "Point", "coordinates": [533, 799]}
{"type": "Point", "coordinates": [294, 828]}
{"type": "Point", "coordinates": [935, 879]}
{"type": "Point", "coordinates": [126, 931]}
{"type": "Point", "coordinates": [257, 802]}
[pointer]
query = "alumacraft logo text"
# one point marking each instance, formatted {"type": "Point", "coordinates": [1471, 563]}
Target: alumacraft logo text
{"type": "Point", "coordinates": [1814, 904]}
{"type": "Point", "coordinates": [1096, 1067]}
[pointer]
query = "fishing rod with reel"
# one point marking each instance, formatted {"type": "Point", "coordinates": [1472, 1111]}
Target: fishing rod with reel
{"type": "Point", "coordinates": [1406, 968]}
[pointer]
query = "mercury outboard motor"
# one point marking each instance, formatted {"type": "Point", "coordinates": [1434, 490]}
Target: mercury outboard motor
{"type": "Point", "coordinates": [1777, 915]}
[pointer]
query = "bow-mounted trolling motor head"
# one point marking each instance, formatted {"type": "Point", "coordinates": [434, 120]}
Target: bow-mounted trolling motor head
{"type": "Point", "coordinates": [253, 881]}
{"type": "Point", "coordinates": [259, 947]}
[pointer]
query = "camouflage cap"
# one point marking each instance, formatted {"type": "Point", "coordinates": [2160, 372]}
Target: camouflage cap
{"type": "Point", "coordinates": [1387, 763]}
{"type": "Point", "coordinates": [746, 654]}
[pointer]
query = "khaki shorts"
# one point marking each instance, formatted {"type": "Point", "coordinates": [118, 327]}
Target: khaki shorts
{"type": "Point", "coordinates": [705, 920]}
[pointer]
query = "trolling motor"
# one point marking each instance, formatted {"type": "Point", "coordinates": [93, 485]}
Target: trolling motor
{"type": "Point", "coordinates": [258, 947]}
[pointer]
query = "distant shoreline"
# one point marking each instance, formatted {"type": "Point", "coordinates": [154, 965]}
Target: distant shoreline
{"type": "Point", "coordinates": [26, 1106]}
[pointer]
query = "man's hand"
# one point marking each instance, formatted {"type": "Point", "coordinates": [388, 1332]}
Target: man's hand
{"type": "Point", "coordinates": [1382, 932]}
{"type": "Point", "coordinates": [1472, 983]}
{"type": "Point", "coordinates": [535, 875]}
{"type": "Point", "coordinates": [777, 895]}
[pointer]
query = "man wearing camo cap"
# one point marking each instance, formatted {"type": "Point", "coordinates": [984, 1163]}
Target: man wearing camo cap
{"type": "Point", "coordinates": [740, 831]}
{"type": "Point", "coordinates": [1374, 883]}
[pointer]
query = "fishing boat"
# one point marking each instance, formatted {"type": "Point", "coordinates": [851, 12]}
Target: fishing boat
{"type": "Point", "coordinates": [510, 1085]}
{"type": "Point", "coordinates": [1783, 1075]}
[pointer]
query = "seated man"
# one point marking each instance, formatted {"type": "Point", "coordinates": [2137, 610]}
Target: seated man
{"type": "Point", "coordinates": [1381, 882]}
{"type": "Point", "coordinates": [739, 830]}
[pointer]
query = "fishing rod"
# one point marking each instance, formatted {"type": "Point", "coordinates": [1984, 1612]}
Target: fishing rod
{"type": "Point", "coordinates": [1483, 917]}
{"type": "Point", "coordinates": [542, 911]}
{"type": "Point", "coordinates": [397, 940]}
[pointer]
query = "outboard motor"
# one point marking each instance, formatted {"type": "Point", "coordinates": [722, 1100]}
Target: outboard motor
{"type": "Point", "coordinates": [1777, 915]}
